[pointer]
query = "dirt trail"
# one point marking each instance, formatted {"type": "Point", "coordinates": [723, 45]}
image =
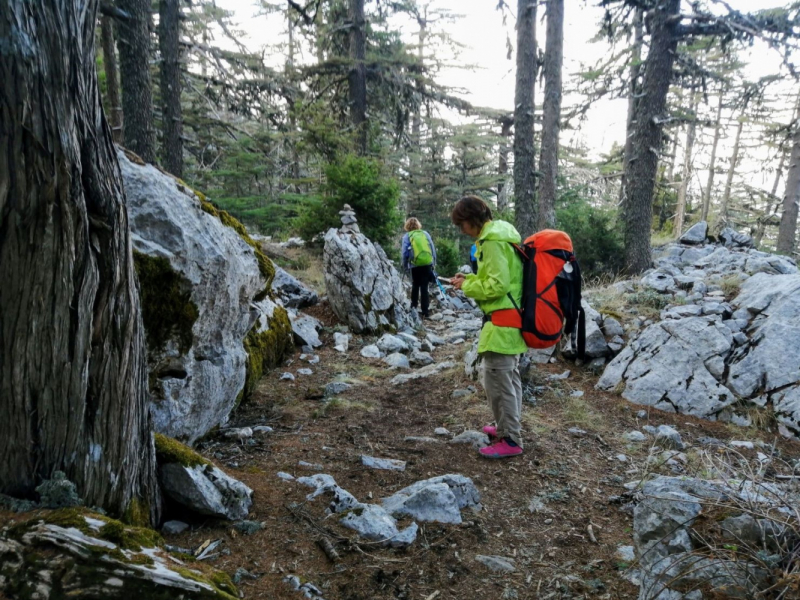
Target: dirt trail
{"type": "Point", "coordinates": [571, 475]}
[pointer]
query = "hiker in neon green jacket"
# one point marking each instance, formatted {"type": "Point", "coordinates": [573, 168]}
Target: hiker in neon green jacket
{"type": "Point", "coordinates": [499, 275]}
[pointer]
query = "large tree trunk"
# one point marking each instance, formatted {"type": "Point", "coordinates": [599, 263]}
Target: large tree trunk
{"type": "Point", "coordinates": [791, 198]}
{"type": "Point", "coordinates": [171, 114]}
{"type": "Point", "coordinates": [722, 220]}
{"type": "Point", "coordinates": [73, 380]}
{"type": "Point", "coordinates": [524, 151]}
{"type": "Point", "coordinates": [633, 92]}
{"type": "Point", "coordinates": [506, 123]}
{"type": "Point", "coordinates": [134, 62]}
{"type": "Point", "coordinates": [357, 77]}
{"type": "Point", "coordinates": [713, 160]}
{"type": "Point", "coordinates": [647, 136]}
{"type": "Point", "coordinates": [686, 172]}
{"type": "Point", "coordinates": [112, 78]}
{"type": "Point", "coordinates": [551, 124]}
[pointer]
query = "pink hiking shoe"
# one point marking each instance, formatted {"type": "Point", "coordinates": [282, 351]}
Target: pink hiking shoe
{"type": "Point", "coordinates": [490, 430]}
{"type": "Point", "coordinates": [500, 449]}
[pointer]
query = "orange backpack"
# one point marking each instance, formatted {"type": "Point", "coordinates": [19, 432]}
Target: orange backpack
{"type": "Point", "coordinates": [551, 292]}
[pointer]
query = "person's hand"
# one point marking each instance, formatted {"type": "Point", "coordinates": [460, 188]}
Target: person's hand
{"type": "Point", "coordinates": [457, 280]}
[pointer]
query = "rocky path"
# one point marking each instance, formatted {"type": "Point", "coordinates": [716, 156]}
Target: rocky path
{"type": "Point", "coordinates": [551, 522]}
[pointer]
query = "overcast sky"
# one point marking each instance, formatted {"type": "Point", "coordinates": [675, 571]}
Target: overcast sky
{"type": "Point", "coordinates": [490, 83]}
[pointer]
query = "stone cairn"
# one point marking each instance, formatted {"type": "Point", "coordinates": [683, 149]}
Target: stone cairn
{"type": "Point", "coordinates": [349, 221]}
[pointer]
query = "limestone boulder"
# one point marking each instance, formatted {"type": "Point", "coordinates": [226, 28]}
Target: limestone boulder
{"type": "Point", "coordinates": [201, 278]}
{"type": "Point", "coordinates": [364, 289]}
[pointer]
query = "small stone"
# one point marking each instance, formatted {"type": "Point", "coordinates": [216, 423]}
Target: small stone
{"type": "Point", "coordinates": [634, 436]}
{"type": "Point", "coordinates": [242, 574]}
{"type": "Point", "coordinates": [384, 464]}
{"type": "Point", "coordinates": [174, 527]}
{"type": "Point", "coordinates": [576, 432]}
{"type": "Point", "coordinates": [625, 554]}
{"type": "Point", "coordinates": [285, 476]}
{"type": "Point", "coordinates": [248, 527]}
{"type": "Point", "coordinates": [239, 433]}
{"type": "Point", "coordinates": [441, 431]}
{"type": "Point", "coordinates": [669, 437]}
{"type": "Point", "coordinates": [262, 429]}
{"type": "Point", "coordinates": [621, 458]}
{"type": "Point", "coordinates": [420, 439]}
{"type": "Point", "coordinates": [336, 387]}
{"type": "Point", "coordinates": [742, 444]}
{"type": "Point", "coordinates": [341, 342]}
{"type": "Point", "coordinates": [642, 414]}
{"type": "Point", "coordinates": [371, 351]}
{"type": "Point", "coordinates": [287, 377]}
{"type": "Point", "coordinates": [577, 394]}
{"type": "Point", "coordinates": [58, 492]}
{"type": "Point", "coordinates": [397, 361]}
{"type": "Point", "coordinates": [497, 564]}
{"type": "Point", "coordinates": [311, 466]}
{"type": "Point", "coordinates": [477, 438]}
{"type": "Point", "coordinates": [305, 372]}
{"type": "Point", "coordinates": [460, 394]}
{"type": "Point", "coordinates": [560, 377]}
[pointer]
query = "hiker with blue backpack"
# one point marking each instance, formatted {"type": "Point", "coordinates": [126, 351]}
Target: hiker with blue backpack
{"type": "Point", "coordinates": [419, 255]}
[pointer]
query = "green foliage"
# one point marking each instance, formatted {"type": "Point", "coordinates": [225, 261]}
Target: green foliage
{"type": "Point", "coordinates": [447, 258]}
{"type": "Point", "coordinates": [595, 236]}
{"type": "Point", "coordinates": [360, 183]}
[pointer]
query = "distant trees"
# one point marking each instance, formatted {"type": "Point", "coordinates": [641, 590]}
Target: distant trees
{"type": "Point", "coordinates": [73, 379]}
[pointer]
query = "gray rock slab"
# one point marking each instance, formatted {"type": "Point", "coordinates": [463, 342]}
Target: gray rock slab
{"type": "Point", "coordinates": [305, 328]}
{"type": "Point", "coordinates": [497, 564]}
{"type": "Point", "coordinates": [206, 490]}
{"type": "Point", "coordinates": [373, 523]}
{"type": "Point", "coordinates": [292, 291]}
{"type": "Point", "coordinates": [478, 439]}
{"type": "Point", "coordinates": [397, 361]}
{"type": "Point", "coordinates": [422, 373]}
{"type": "Point", "coordinates": [384, 464]}
{"type": "Point", "coordinates": [390, 344]}
{"type": "Point", "coordinates": [371, 351]}
{"type": "Point", "coordinates": [696, 234]}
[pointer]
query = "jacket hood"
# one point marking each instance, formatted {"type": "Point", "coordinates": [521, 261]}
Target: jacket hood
{"type": "Point", "coordinates": [500, 231]}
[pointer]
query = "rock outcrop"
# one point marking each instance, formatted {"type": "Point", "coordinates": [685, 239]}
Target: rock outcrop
{"type": "Point", "coordinates": [75, 553]}
{"type": "Point", "coordinates": [364, 289]}
{"type": "Point", "coordinates": [211, 329]}
{"type": "Point", "coordinates": [711, 357]}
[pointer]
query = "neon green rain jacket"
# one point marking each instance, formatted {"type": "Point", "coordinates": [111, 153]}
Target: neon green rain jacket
{"type": "Point", "coordinates": [499, 272]}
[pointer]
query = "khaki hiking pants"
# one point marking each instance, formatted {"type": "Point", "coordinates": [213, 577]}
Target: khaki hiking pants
{"type": "Point", "coordinates": [503, 385]}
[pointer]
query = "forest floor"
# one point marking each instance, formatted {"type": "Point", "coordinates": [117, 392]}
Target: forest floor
{"type": "Point", "coordinates": [573, 475]}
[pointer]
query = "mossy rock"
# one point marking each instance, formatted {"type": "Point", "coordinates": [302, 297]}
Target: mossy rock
{"type": "Point", "coordinates": [36, 562]}
{"type": "Point", "coordinates": [265, 265]}
{"type": "Point", "coordinates": [169, 450]}
{"type": "Point", "coordinates": [266, 350]}
{"type": "Point", "coordinates": [167, 309]}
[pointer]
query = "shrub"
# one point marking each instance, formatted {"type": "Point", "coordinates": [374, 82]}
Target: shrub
{"type": "Point", "coordinates": [447, 258]}
{"type": "Point", "coordinates": [360, 183]}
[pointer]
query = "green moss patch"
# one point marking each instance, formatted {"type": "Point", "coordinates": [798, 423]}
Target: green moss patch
{"type": "Point", "coordinates": [218, 580]}
{"type": "Point", "coordinates": [169, 450]}
{"type": "Point", "coordinates": [167, 310]}
{"type": "Point", "coordinates": [266, 350]}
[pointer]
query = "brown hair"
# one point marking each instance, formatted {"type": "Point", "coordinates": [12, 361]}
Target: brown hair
{"type": "Point", "coordinates": [412, 223]}
{"type": "Point", "coordinates": [472, 210]}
